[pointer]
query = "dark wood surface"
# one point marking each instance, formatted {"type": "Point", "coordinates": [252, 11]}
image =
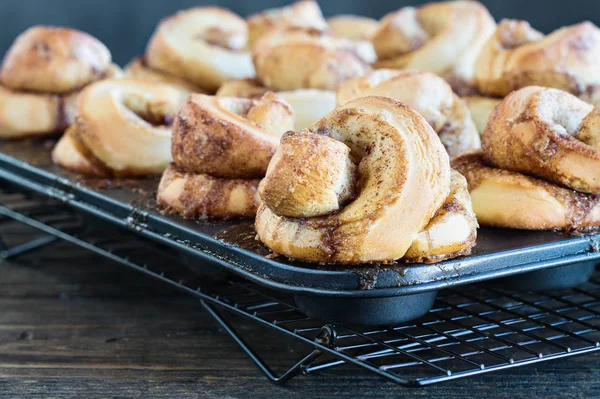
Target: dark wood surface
{"type": "Point", "coordinates": [76, 326]}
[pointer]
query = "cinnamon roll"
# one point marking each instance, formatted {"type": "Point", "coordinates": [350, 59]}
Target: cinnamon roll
{"type": "Point", "coordinates": [443, 38]}
{"type": "Point", "coordinates": [360, 185]}
{"type": "Point", "coordinates": [300, 58]}
{"type": "Point", "coordinates": [308, 105]}
{"type": "Point", "coordinates": [517, 56]}
{"type": "Point", "coordinates": [205, 46]}
{"type": "Point", "coordinates": [358, 29]}
{"type": "Point", "coordinates": [481, 108]}
{"type": "Point", "coordinates": [41, 75]}
{"type": "Point", "coordinates": [122, 128]}
{"type": "Point", "coordinates": [426, 93]}
{"type": "Point", "coordinates": [304, 13]}
{"type": "Point", "coordinates": [539, 165]}
{"type": "Point", "coordinates": [221, 148]}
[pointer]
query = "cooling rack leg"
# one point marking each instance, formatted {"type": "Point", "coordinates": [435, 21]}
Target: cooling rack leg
{"type": "Point", "coordinates": [326, 336]}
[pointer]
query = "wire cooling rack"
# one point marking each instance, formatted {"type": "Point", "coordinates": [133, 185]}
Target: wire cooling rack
{"type": "Point", "coordinates": [470, 330]}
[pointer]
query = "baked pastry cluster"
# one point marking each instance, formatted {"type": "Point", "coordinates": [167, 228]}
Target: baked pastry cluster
{"type": "Point", "coordinates": [348, 139]}
{"type": "Point", "coordinates": [41, 76]}
{"type": "Point", "coordinates": [539, 168]}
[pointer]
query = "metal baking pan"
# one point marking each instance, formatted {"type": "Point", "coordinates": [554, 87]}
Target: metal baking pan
{"type": "Point", "coordinates": [369, 294]}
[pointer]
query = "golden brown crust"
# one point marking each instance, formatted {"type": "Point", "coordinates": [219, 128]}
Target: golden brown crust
{"type": "Point", "coordinates": [122, 129]}
{"type": "Point", "coordinates": [229, 137]}
{"type": "Point", "coordinates": [302, 58]}
{"type": "Point", "coordinates": [402, 178]}
{"type": "Point", "coordinates": [304, 13]}
{"type": "Point", "coordinates": [517, 56]}
{"type": "Point", "coordinates": [53, 60]}
{"type": "Point", "coordinates": [200, 196]}
{"type": "Point", "coordinates": [504, 198]}
{"type": "Point", "coordinates": [204, 45]}
{"type": "Point", "coordinates": [427, 94]}
{"type": "Point", "coordinates": [533, 131]}
{"type": "Point", "coordinates": [138, 69]}
{"type": "Point", "coordinates": [443, 38]}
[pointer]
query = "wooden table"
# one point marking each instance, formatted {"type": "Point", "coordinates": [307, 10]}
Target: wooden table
{"type": "Point", "coordinates": [73, 325]}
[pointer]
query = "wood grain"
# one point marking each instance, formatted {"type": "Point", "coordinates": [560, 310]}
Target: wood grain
{"type": "Point", "coordinates": [74, 325]}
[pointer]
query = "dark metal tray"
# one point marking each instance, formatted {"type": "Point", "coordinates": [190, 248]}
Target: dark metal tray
{"type": "Point", "coordinates": [369, 294]}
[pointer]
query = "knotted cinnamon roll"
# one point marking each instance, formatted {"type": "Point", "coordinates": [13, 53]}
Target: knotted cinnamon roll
{"type": "Point", "coordinates": [204, 46]}
{"type": "Point", "coordinates": [304, 13]}
{"type": "Point", "coordinates": [41, 75]}
{"type": "Point", "coordinates": [540, 164]}
{"type": "Point", "coordinates": [122, 128]}
{"type": "Point", "coordinates": [358, 29]}
{"type": "Point", "coordinates": [221, 148]}
{"type": "Point", "coordinates": [443, 38]}
{"type": "Point", "coordinates": [366, 183]}
{"type": "Point", "coordinates": [517, 56]}
{"type": "Point", "coordinates": [427, 94]}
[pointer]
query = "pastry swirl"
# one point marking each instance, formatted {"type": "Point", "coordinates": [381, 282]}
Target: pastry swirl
{"type": "Point", "coordinates": [517, 56]}
{"type": "Point", "coordinates": [122, 128]}
{"type": "Point", "coordinates": [304, 13]}
{"type": "Point", "coordinates": [301, 58]}
{"type": "Point", "coordinates": [427, 94]}
{"type": "Point", "coordinates": [206, 46]}
{"type": "Point", "coordinates": [359, 186]}
{"type": "Point", "coordinates": [221, 148]}
{"type": "Point", "coordinates": [443, 38]}
{"type": "Point", "coordinates": [41, 75]}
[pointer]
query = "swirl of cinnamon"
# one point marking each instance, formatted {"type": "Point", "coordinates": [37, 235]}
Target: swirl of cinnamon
{"type": "Point", "coordinates": [41, 75]}
{"type": "Point", "coordinates": [517, 56]}
{"type": "Point", "coordinates": [309, 105]}
{"type": "Point", "coordinates": [359, 30]}
{"type": "Point", "coordinates": [122, 128]}
{"type": "Point", "coordinates": [361, 185]}
{"type": "Point", "coordinates": [301, 58]}
{"type": "Point", "coordinates": [426, 93]}
{"type": "Point", "coordinates": [443, 38]}
{"type": "Point", "coordinates": [540, 131]}
{"type": "Point", "coordinates": [205, 46]}
{"type": "Point", "coordinates": [304, 13]}
{"type": "Point", "coordinates": [221, 148]}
